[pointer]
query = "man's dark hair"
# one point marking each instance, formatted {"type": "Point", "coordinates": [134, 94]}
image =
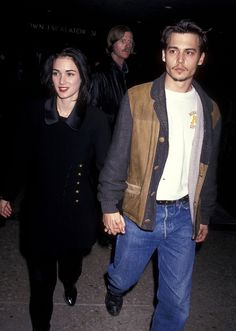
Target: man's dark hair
{"type": "Point", "coordinates": [185, 26]}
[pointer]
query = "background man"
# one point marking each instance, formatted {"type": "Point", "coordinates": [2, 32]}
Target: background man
{"type": "Point", "coordinates": [109, 78]}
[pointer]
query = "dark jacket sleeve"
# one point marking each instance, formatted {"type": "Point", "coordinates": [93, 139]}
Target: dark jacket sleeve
{"type": "Point", "coordinates": [112, 179]}
{"type": "Point", "coordinates": [102, 139]}
{"type": "Point", "coordinates": [15, 162]}
{"type": "Point", "coordinates": [209, 189]}
{"type": "Point", "coordinates": [95, 89]}
{"type": "Point", "coordinates": [20, 142]}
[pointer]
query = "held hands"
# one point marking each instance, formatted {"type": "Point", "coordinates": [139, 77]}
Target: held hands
{"type": "Point", "coordinates": [5, 208]}
{"type": "Point", "coordinates": [202, 233]}
{"type": "Point", "coordinates": [114, 223]}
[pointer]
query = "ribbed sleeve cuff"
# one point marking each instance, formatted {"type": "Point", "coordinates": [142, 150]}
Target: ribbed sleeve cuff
{"type": "Point", "coordinates": [108, 207]}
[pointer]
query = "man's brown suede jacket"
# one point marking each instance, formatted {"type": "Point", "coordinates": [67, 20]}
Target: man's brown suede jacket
{"type": "Point", "coordinates": [139, 150]}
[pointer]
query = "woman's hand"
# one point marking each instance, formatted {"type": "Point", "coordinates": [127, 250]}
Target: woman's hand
{"type": "Point", "coordinates": [114, 223]}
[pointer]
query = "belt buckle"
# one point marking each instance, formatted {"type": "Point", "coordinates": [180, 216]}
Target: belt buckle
{"type": "Point", "coordinates": [166, 202]}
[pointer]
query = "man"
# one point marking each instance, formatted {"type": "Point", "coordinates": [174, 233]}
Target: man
{"type": "Point", "coordinates": [162, 166]}
{"type": "Point", "coordinates": [109, 78]}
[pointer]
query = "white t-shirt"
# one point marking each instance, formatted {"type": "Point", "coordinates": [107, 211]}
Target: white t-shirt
{"type": "Point", "coordinates": [182, 119]}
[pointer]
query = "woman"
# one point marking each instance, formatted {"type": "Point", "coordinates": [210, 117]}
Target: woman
{"type": "Point", "coordinates": [63, 140]}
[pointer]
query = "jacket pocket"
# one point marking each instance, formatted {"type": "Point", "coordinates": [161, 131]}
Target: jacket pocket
{"type": "Point", "coordinates": [131, 201]}
{"type": "Point", "coordinates": [133, 189]}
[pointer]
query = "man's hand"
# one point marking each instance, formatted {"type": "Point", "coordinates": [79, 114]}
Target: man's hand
{"type": "Point", "coordinates": [202, 233]}
{"type": "Point", "coordinates": [5, 208]}
{"type": "Point", "coordinates": [114, 223]}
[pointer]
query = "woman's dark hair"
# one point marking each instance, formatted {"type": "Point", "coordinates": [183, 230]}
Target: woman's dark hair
{"type": "Point", "coordinates": [81, 63]}
{"type": "Point", "coordinates": [185, 26]}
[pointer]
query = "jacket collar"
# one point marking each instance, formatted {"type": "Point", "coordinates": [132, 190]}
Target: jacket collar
{"type": "Point", "coordinates": [74, 120]}
{"type": "Point", "coordinates": [158, 88]}
{"type": "Point", "coordinates": [124, 67]}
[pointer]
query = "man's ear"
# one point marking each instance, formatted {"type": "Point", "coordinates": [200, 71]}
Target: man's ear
{"type": "Point", "coordinates": [201, 60]}
{"type": "Point", "coordinates": [163, 56]}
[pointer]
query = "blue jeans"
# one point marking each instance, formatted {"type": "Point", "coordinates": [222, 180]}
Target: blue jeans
{"type": "Point", "coordinates": [172, 237]}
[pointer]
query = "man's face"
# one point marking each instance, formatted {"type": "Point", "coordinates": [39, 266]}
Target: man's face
{"type": "Point", "coordinates": [182, 56]}
{"type": "Point", "coordinates": [123, 47]}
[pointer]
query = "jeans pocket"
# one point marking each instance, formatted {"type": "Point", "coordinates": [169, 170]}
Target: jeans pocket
{"type": "Point", "coordinates": [185, 205]}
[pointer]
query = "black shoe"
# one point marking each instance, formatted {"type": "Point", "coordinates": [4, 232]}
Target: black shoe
{"type": "Point", "coordinates": [113, 303]}
{"type": "Point", "coordinates": [70, 295]}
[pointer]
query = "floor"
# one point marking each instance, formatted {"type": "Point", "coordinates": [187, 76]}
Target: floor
{"type": "Point", "coordinates": [213, 297]}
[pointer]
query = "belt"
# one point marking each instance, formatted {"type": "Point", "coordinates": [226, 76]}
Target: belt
{"type": "Point", "coordinates": [172, 202]}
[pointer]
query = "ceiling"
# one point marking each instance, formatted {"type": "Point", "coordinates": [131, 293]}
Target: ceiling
{"type": "Point", "coordinates": [103, 11]}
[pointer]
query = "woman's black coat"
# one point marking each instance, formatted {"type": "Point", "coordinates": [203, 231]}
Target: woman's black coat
{"type": "Point", "coordinates": [57, 161]}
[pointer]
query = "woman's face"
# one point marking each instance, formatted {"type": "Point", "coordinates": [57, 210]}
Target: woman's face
{"type": "Point", "coordinates": [66, 78]}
